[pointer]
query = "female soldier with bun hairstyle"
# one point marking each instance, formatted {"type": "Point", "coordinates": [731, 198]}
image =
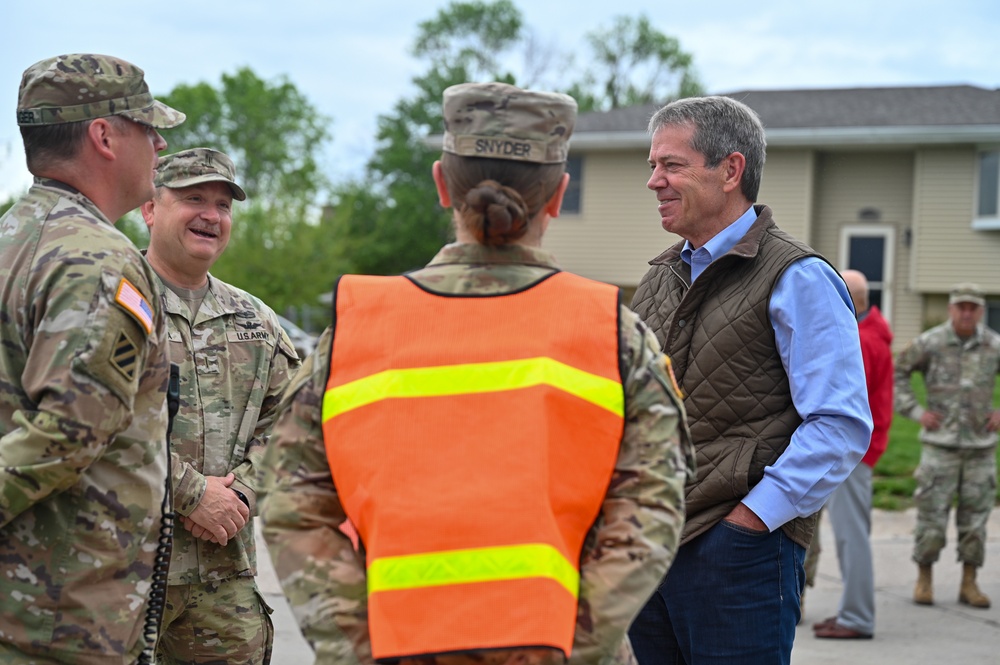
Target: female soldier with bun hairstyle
{"type": "Point", "coordinates": [484, 461]}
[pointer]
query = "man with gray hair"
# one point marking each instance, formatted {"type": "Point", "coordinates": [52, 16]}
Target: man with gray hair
{"type": "Point", "coordinates": [83, 369]}
{"type": "Point", "coordinates": [762, 334]}
{"type": "Point", "coordinates": [235, 360]}
{"type": "Point", "coordinates": [959, 360]}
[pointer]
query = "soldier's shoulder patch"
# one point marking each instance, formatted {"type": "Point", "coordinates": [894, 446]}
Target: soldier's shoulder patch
{"type": "Point", "coordinates": [132, 301]}
{"type": "Point", "coordinates": [125, 355]}
{"type": "Point", "coordinates": [668, 367]}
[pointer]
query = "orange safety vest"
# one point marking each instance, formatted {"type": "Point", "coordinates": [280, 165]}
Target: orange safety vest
{"type": "Point", "coordinates": [472, 440]}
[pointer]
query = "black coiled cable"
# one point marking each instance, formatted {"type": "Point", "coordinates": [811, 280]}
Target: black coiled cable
{"type": "Point", "coordinates": [165, 543]}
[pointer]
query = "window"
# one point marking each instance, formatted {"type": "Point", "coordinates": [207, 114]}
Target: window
{"type": "Point", "coordinates": [573, 196]}
{"type": "Point", "coordinates": [989, 179]}
{"type": "Point", "coordinates": [992, 317]}
{"type": "Point", "coordinates": [988, 191]}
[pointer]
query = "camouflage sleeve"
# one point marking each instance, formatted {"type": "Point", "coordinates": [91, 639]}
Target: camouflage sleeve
{"type": "Point", "coordinates": [284, 362]}
{"type": "Point", "coordinates": [188, 482]}
{"type": "Point", "coordinates": [911, 359]}
{"type": "Point", "coordinates": [321, 573]}
{"type": "Point", "coordinates": [636, 536]}
{"type": "Point", "coordinates": [81, 376]}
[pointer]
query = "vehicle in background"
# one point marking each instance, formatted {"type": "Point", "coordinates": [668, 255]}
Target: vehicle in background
{"type": "Point", "coordinates": [303, 342]}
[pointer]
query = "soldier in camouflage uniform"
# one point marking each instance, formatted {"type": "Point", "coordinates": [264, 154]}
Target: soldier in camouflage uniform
{"type": "Point", "coordinates": [959, 361]}
{"type": "Point", "coordinates": [317, 555]}
{"type": "Point", "coordinates": [83, 370]}
{"type": "Point", "coordinates": [235, 361]}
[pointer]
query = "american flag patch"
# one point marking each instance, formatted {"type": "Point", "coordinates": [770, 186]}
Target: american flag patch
{"type": "Point", "coordinates": [135, 304]}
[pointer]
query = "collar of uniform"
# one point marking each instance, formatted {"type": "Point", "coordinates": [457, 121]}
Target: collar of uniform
{"type": "Point", "coordinates": [464, 253]}
{"type": "Point", "coordinates": [71, 192]}
{"type": "Point", "coordinates": [974, 338]}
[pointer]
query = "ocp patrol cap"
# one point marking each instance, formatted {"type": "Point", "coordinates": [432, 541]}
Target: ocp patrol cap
{"type": "Point", "coordinates": [195, 166]}
{"type": "Point", "coordinates": [84, 86]}
{"type": "Point", "coordinates": [966, 292]}
{"type": "Point", "coordinates": [502, 121]}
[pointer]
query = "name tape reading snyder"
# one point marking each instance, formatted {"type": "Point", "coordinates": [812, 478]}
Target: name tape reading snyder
{"type": "Point", "coordinates": [499, 147]}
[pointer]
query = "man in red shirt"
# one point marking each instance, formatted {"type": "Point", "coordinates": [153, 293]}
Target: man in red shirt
{"type": "Point", "coordinates": [850, 506]}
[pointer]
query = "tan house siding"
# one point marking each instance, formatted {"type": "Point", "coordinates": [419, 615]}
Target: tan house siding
{"type": "Point", "coordinates": [787, 188]}
{"type": "Point", "coordinates": [846, 183]}
{"type": "Point", "coordinates": [925, 195]}
{"type": "Point", "coordinates": [618, 230]}
{"type": "Point", "coordinates": [946, 248]}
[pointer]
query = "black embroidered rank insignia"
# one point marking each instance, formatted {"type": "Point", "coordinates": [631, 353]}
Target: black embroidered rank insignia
{"type": "Point", "coordinates": [125, 356]}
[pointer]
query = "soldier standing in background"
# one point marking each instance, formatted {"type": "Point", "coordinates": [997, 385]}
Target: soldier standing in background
{"type": "Point", "coordinates": [83, 367]}
{"type": "Point", "coordinates": [235, 360]}
{"type": "Point", "coordinates": [428, 528]}
{"type": "Point", "coordinates": [959, 360]}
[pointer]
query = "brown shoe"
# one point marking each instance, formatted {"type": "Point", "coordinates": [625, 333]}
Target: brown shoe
{"type": "Point", "coordinates": [837, 632]}
{"type": "Point", "coordinates": [829, 621]}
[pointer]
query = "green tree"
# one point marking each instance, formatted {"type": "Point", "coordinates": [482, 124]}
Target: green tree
{"type": "Point", "coordinates": [634, 63]}
{"type": "Point", "coordinates": [391, 221]}
{"type": "Point", "coordinates": [270, 129]}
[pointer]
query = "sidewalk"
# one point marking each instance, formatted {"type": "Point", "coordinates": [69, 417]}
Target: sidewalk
{"type": "Point", "coordinates": [905, 633]}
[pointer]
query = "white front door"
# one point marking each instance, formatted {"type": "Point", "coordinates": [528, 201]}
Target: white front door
{"type": "Point", "coordinates": [869, 249]}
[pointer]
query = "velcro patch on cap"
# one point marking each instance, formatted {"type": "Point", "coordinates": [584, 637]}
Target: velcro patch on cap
{"type": "Point", "coordinates": [133, 302]}
{"type": "Point", "coordinates": [500, 147]}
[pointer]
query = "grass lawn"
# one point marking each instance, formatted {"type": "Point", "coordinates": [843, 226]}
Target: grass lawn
{"type": "Point", "coordinates": [893, 481]}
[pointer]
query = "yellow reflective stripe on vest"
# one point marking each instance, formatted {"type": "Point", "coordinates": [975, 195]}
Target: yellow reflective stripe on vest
{"type": "Point", "coordinates": [484, 564]}
{"type": "Point", "coordinates": [474, 378]}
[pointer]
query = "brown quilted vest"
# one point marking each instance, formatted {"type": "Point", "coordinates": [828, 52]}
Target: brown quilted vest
{"type": "Point", "coordinates": [719, 336]}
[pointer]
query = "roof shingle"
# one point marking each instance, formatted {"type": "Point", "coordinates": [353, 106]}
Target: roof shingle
{"type": "Point", "coordinates": [846, 107]}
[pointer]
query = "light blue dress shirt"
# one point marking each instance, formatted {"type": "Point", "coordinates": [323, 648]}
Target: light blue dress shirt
{"type": "Point", "coordinates": [817, 338]}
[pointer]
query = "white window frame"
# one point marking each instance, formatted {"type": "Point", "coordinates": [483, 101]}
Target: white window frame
{"type": "Point", "coordinates": [886, 231]}
{"type": "Point", "coordinates": [979, 222]}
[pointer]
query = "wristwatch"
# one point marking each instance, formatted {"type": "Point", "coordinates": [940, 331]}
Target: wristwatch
{"type": "Point", "coordinates": [243, 498]}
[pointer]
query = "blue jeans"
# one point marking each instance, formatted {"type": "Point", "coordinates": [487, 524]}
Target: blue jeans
{"type": "Point", "coordinates": [731, 597]}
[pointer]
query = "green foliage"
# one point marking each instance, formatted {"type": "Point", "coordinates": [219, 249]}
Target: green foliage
{"type": "Point", "coordinates": [6, 205]}
{"type": "Point", "coordinates": [269, 128]}
{"type": "Point", "coordinates": [133, 226]}
{"type": "Point", "coordinates": [275, 136]}
{"type": "Point", "coordinates": [634, 63]}
{"type": "Point", "coordinates": [391, 221]}
{"type": "Point", "coordinates": [473, 33]}
{"type": "Point", "coordinates": [892, 480]}
{"type": "Point", "coordinates": [288, 260]}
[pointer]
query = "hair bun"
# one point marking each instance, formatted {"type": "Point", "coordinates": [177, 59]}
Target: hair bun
{"type": "Point", "coordinates": [499, 213]}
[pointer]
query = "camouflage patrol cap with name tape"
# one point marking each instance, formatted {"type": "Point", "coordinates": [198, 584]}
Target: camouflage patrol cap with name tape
{"type": "Point", "coordinates": [502, 121]}
{"type": "Point", "coordinates": [84, 86]}
{"type": "Point", "coordinates": [195, 166]}
{"type": "Point", "coordinates": [967, 292]}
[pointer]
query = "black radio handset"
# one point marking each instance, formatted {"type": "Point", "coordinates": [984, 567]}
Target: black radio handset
{"type": "Point", "coordinates": [165, 544]}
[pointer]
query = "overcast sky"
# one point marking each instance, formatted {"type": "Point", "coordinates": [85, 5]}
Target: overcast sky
{"type": "Point", "coordinates": [351, 59]}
